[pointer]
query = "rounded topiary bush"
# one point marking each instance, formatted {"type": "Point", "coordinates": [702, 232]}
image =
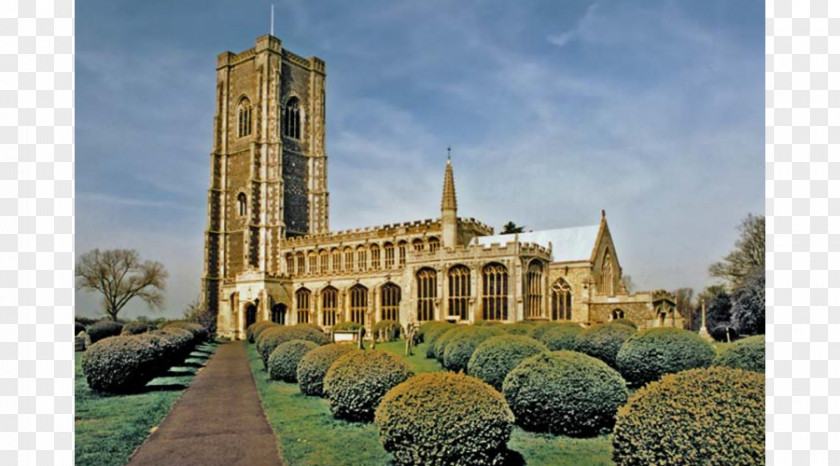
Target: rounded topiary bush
{"type": "Point", "coordinates": [604, 341]}
{"type": "Point", "coordinates": [80, 327]}
{"type": "Point", "coordinates": [445, 338]}
{"type": "Point", "coordinates": [519, 328]}
{"type": "Point", "coordinates": [493, 359]}
{"type": "Point", "coordinates": [283, 361]}
{"type": "Point", "coordinates": [183, 340]}
{"type": "Point", "coordinates": [425, 327]}
{"type": "Point", "coordinates": [626, 322]}
{"type": "Point", "coordinates": [433, 334]}
{"type": "Point", "coordinates": [562, 336]}
{"type": "Point", "coordinates": [387, 330]}
{"type": "Point", "coordinates": [250, 331]}
{"type": "Point", "coordinates": [444, 419]}
{"type": "Point", "coordinates": [460, 348]}
{"type": "Point", "coordinates": [118, 364]}
{"type": "Point", "coordinates": [166, 350]}
{"type": "Point", "coordinates": [257, 331]}
{"type": "Point", "coordinates": [134, 328]}
{"type": "Point", "coordinates": [314, 366]}
{"type": "Point", "coordinates": [655, 352]}
{"type": "Point", "coordinates": [564, 392]}
{"type": "Point", "coordinates": [199, 332]}
{"type": "Point", "coordinates": [699, 416]}
{"type": "Point", "coordinates": [104, 329]}
{"type": "Point", "coordinates": [356, 382]}
{"type": "Point", "coordinates": [272, 337]}
{"type": "Point", "coordinates": [747, 354]}
{"type": "Point", "coordinates": [537, 331]}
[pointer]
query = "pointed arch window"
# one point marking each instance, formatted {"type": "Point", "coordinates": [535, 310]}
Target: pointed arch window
{"type": "Point", "coordinates": [418, 244]}
{"type": "Point", "coordinates": [324, 257]}
{"type": "Point", "coordinates": [242, 203]}
{"type": "Point", "coordinates": [533, 282]}
{"type": "Point", "coordinates": [402, 247]}
{"type": "Point", "coordinates": [291, 119]}
{"type": "Point", "coordinates": [426, 294]}
{"type": "Point", "coordinates": [617, 314]}
{"type": "Point", "coordinates": [313, 263]}
{"type": "Point", "coordinates": [300, 265]}
{"type": "Point", "coordinates": [494, 292]}
{"type": "Point", "coordinates": [336, 260]}
{"type": "Point", "coordinates": [243, 115]}
{"type": "Point", "coordinates": [390, 302]}
{"type": "Point", "coordinates": [348, 259]}
{"type": "Point", "coordinates": [434, 244]}
{"type": "Point", "coordinates": [290, 264]}
{"type": "Point", "coordinates": [459, 291]}
{"type": "Point", "coordinates": [374, 257]}
{"type": "Point", "coordinates": [361, 254]}
{"type": "Point", "coordinates": [302, 297]}
{"type": "Point", "coordinates": [389, 255]}
{"type": "Point", "coordinates": [561, 300]}
{"type": "Point", "coordinates": [358, 304]}
{"type": "Point", "coordinates": [329, 305]}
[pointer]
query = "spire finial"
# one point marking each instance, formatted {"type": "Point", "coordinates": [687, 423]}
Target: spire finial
{"type": "Point", "coordinates": [448, 154]}
{"type": "Point", "coordinates": [448, 201]}
{"type": "Point", "coordinates": [603, 213]}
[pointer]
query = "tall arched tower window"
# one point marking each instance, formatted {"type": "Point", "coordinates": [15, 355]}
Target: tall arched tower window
{"type": "Point", "coordinates": [389, 255]}
{"type": "Point", "coordinates": [459, 291]}
{"type": "Point", "coordinates": [561, 300]}
{"type": "Point", "coordinates": [302, 297]}
{"type": "Point", "coordinates": [242, 202]}
{"type": "Point", "coordinates": [426, 294]}
{"type": "Point", "coordinates": [534, 294]}
{"type": "Point", "coordinates": [607, 275]}
{"type": "Point", "coordinates": [375, 258]}
{"type": "Point", "coordinates": [494, 296]}
{"type": "Point", "coordinates": [291, 119]}
{"type": "Point", "coordinates": [243, 115]}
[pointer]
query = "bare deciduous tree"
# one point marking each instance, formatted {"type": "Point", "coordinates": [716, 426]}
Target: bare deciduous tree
{"type": "Point", "coordinates": [120, 276]}
{"type": "Point", "coordinates": [748, 256]}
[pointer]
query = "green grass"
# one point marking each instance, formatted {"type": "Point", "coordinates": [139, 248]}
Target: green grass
{"type": "Point", "coordinates": [110, 428]}
{"type": "Point", "coordinates": [307, 434]}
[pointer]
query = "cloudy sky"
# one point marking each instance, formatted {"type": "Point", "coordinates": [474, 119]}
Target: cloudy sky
{"type": "Point", "coordinates": [554, 110]}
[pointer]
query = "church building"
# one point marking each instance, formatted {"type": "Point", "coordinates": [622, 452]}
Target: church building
{"type": "Point", "coordinates": [270, 255]}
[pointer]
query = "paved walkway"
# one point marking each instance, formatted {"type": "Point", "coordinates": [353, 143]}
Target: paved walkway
{"type": "Point", "coordinates": [217, 421]}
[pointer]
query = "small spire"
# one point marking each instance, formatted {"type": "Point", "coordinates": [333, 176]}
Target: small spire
{"type": "Point", "coordinates": [603, 213]}
{"type": "Point", "coordinates": [449, 201]}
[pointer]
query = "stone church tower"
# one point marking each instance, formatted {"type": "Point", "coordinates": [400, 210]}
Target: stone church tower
{"type": "Point", "coordinates": [268, 177]}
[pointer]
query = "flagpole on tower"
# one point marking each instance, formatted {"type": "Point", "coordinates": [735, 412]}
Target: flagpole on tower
{"type": "Point", "coordinates": [272, 19]}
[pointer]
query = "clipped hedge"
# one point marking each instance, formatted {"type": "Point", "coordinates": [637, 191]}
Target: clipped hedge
{"type": "Point", "coordinates": [444, 419]}
{"type": "Point", "coordinates": [388, 330]}
{"type": "Point", "coordinates": [134, 328]}
{"type": "Point", "coordinates": [700, 416]}
{"type": "Point", "coordinates": [104, 329]}
{"type": "Point", "coordinates": [493, 359]}
{"type": "Point", "coordinates": [562, 336]}
{"type": "Point", "coordinates": [747, 354]}
{"type": "Point", "coordinates": [626, 322]}
{"type": "Point", "coordinates": [257, 331]}
{"type": "Point", "coordinates": [460, 348]}
{"type": "Point", "coordinates": [356, 382]}
{"type": "Point", "coordinates": [445, 338]}
{"type": "Point", "coordinates": [200, 333]}
{"type": "Point", "coordinates": [655, 352]}
{"type": "Point", "coordinates": [537, 331]}
{"type": "Point", "coordinates": [347, 326]}
{"type": "Point", "coordinates": [433, 334]}
{"type": "Point", "coordinates": [274, 336]}
{"type": "Point", "coordinates": [425, 327]}
{"type": "Point", "coordinates": [283, 361]}
{"type": "Point", "coordinates": [565, 392]}
{"type": "Point", "coordinates": [119, 364]}
{"type": "Point", "coordinates": [523, 327]}
{"type": "Point", "coordinates": [604, 341]}
{"type": "Point", "coordinates": [250, 331]}
{"type": "Point", "coordinates": [314, 366]}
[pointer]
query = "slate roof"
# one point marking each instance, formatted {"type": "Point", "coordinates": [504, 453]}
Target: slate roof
{"type": "Point", "coordinates": [570, 244]}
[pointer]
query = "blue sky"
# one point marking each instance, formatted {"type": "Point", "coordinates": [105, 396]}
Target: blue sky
{"type": "Point", "coordinates": [554, 110]}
